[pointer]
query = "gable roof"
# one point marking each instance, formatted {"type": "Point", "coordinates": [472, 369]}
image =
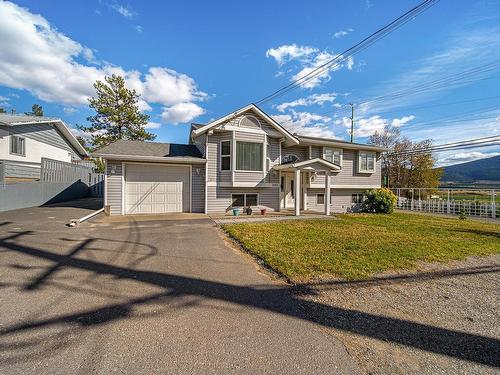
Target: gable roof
{"type": "Point", "coordinates": [196, 130]}
{"type": "Point", "coordinates": [308, 162]}
{"type": "Point", "coordinates": [153, 151]}
{"type": "Point", "coordinates": [16, 120]}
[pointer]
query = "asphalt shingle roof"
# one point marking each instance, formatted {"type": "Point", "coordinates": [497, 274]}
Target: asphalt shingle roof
{"type": "Point", "coordinates": [140, 148]}
{"type": "Point", "coordinates": [16, 119]}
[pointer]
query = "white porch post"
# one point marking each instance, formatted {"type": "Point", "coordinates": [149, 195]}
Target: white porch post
{"type": "Point", "coordinates": [297, 192]}
{"type": "Point", "coordinates": [327, 193]}
{"type": "Point", "coordinates": [305, 175]}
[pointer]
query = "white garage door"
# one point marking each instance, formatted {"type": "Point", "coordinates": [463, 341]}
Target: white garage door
{"type": "Point", "coordinates": [152, 189]}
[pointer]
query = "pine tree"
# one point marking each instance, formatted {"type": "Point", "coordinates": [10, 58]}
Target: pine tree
{"type": "Point", "coordinates": [117, 114]}
{"type": "Point", "coordinates": [36, 110]}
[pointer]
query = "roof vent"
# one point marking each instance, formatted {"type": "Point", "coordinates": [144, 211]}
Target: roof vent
{"type": "Point", "coordinates": [249, 122]}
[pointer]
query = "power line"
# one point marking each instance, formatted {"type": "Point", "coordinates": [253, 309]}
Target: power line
{"type": "Point", "coordinates": [358, 47]}
{"type": "Point", "coordinates": [470, 143]}
{"type": "Point", "coordinates": [438, 83]}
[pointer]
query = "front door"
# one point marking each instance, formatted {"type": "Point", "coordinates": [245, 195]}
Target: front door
{"type": "Point", "coordinates": [289, 190]}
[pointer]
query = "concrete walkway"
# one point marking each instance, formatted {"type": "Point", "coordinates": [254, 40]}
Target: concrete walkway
{"type": "Point", "coordinates": [144, 297]}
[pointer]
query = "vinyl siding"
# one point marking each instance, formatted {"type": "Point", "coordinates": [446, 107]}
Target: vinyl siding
{"type": "Point", "coordinates": [114, 187]}
{"type": "Point", "coordinates": [302, 152]}
{"type": "Point", "coordinates": [20, 169]}
{"type": "Point", "coordinates": [200, 143]}
{"type": "Point", "coordinates": [316, 152]}
{"type": "Point", "coordinates": [340, 201]}
{"type": "Point", "coordinates": [348, 175]}
{"type": "Point", "coordinates": [219, 199]}
{"type": "Point", "coordinates": [44, 133]}
{"type": "Point", "coordinates": [198, 189]}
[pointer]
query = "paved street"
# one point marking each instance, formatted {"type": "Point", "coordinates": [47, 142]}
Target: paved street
{"type": "Point", "coordinates": [145, 295]}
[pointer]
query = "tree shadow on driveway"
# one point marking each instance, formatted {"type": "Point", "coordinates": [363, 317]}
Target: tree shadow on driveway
{"type": "Point", "coordinates": [282, 300]}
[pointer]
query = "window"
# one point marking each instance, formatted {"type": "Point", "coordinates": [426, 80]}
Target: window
{"type": "Point", "coordinates": [244, 200]}
{"type": "Point", "coordinates": [225, 155]}
{"type": "Point", "coordinates": [320, 198]}
{"type": "Point", "coordinates": [17, 145]}
{"type": "Point", "coordinates": [357, 198]}
{"type": "Point", "coordinates": [366, 162]}
{"type": "Point", "coordinates": [333, 155]}
{"type": "Point", "coordinates": [249, 156]}
{"type": "Point", "coordinates": [282, 184]}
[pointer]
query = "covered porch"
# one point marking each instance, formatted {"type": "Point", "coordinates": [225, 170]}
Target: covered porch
{"type": "Point", "coordinates": [295, 179]}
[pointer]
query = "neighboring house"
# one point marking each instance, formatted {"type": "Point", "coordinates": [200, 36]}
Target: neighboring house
{"type": "Point", "coordinates": [243, 159]}
{"type": "Point", "coordinates": [25, 140]}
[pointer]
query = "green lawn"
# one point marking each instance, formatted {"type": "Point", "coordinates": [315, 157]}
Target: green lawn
{"type": "Point", "coordinates": [360, 245]}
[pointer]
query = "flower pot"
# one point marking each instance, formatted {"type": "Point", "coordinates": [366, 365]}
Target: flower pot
{"type": "Point", "coordinates": [249, 210]}
{"type": "Point", "coordinates": [236, 211]}
{"type": "Point", "coordinates": [263, 211]}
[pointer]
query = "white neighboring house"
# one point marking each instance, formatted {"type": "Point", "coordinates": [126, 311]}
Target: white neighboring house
{"type": "Point", "coordinates": [25, 140]}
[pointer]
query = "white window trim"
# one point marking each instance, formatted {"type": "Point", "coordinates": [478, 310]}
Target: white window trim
{"type": "Point", "coordinates": [263, 159]}
{"type": "Point", "coordinates": [245, 199]}
{"type": "Point", "coordinates": [374, 154]}
{"type": "Point", "coordinates": [24, 145]}
{"type": "Point", "coordinates": [230, 155]}
{"type": "Point", "coordinates": [334, 149]}
{"type": "Point", "coordinates": [323, 194]}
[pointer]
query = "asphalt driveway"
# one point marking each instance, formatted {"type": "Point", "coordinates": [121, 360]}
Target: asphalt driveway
{"type": "Point", "coordinates": [149, 295]}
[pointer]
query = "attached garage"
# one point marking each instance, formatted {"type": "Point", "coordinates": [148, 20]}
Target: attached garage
{"type": "Point", "coordinates": [156, 189]}
{"type": "Point", "coordinates": [153, 178]}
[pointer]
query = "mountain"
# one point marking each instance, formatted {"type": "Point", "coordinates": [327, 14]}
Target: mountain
{"type": "Point", "coordinates": [477, 172]}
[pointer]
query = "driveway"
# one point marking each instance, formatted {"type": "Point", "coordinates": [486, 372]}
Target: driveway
{"type": "Point", "coordinates": [146, 295]}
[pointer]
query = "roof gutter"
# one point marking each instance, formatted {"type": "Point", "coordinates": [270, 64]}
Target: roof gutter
{"type": "Point", "coordinates": [155, 159]}
{"type": "Point", "coordinates": [353, 146]}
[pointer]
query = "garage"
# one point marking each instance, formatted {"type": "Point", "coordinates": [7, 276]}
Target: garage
{"type": "Point", "coordinates": [156, 189]}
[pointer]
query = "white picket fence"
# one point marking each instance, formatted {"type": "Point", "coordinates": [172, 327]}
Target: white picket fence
{"type": "Point", "coordinates": [471, 202]}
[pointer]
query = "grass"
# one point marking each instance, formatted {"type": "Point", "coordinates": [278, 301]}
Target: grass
{"type": "Point", "coordinates": [360, 245]}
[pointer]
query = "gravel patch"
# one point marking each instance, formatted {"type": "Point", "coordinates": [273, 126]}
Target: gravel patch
{"type": "Point", "coordinates": [441, 320]}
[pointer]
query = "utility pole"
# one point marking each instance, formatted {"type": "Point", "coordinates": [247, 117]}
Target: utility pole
{"type": "Point", "coordinates": [352, 121]}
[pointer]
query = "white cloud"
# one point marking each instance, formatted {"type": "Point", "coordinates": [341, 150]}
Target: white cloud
{"type": "Point", "coordinates": [168, 87]}
{"type": "Point", "coordinates": [401, 121]}
{"type": "Point", "coordinates": [306, 123]}
{"type": "Point", "coordinates": [57, 74]}
{"type": "Point", "coordinates": [319, 99]}
{"type": "Point", "coordinates": [153, 125]}
{"type": "Point", "coordinates": [463, 157]}
{"type": "Point", "coordinates": [341, 33]}
{"type": "Point", "coordinates": [69, 110]}
{"type": "Point", "coordinates": [285, 53]}
{"type": "Point", "coordinates": [181, 112]}
{"type": "Point", "coordinates": [365, 127]}
{"type": "Point", "coordinates": [124, 10]}
{"type": "Point", "coordinates": [139, 29]}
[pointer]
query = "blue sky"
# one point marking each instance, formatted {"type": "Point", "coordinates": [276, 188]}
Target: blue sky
{"type": "Point", "coordinates": [196, 61]}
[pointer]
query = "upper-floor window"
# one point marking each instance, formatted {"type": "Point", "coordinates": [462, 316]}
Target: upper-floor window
{"type": "Point", "coordinates": [17, 145]}
{"type": "Point", "coordinates": [249, 156]}
{"type": "Point", "coordinates": [333, 155]}
{"type": "Point", "coordinates": [225, 155]}
{"type": "Point", "coordinates": [366, 162]}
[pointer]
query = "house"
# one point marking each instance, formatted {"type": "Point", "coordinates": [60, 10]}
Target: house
{"type": "Point", "coordinates": [25, 140]}
{"type": "Point", "coordinates": [243, 159]}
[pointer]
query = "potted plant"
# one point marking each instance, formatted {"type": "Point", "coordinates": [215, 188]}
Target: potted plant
{"type": "Point", "coordinates": [263, 211]}
{"type": "Point", "coordinates": [249, 210]}
{"type": "Point", "coordinates": [236, 211]}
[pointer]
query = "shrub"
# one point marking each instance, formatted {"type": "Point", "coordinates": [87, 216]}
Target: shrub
{"type": "Point", "coordinates": [379, 201]}
{"type": "Point", "coordinates": [461, 214]}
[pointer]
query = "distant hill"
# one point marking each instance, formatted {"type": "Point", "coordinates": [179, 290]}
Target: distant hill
{"type": "Point", "coordinates": [477, 172]}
